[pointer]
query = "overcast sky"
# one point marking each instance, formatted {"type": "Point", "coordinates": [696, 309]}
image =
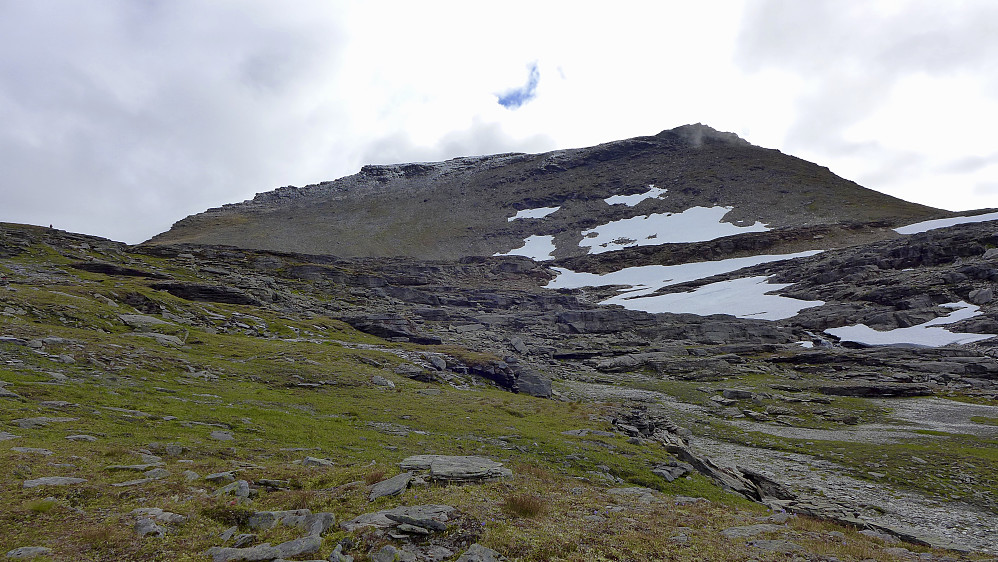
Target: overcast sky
{"type": "Point", "coordinates": [118, 118]}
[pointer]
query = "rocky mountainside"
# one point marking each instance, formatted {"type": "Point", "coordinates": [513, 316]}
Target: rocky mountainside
{"type": "Point", "coordinates": [676, 347]}
{"type": "Point", "coordinates": [467, 206]}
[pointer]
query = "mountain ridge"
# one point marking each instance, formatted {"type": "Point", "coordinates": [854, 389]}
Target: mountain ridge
{"type": "Point", "coordinates": [464, 206]}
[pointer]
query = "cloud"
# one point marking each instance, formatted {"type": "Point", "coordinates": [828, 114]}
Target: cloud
{"type": "Point", "coordinates": [516, 97]}
{"type": "Point", "coordinates": [480, 138]}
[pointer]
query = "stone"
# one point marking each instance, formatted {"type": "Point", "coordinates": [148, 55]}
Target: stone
{"type": "Point", "coordinates": [389, 553]}
{"type": "Point", "coordinates": [379, 380]}
{"type": "Point", "coordinates": [53, 481]}
{"type": "Point", "coordinates": [81, 437]}
{"type": "Point", "coordinates": [457, 468]}
{"type": "Point", "coordinates": [157, 473]}
{"type": "Point", "coordinates": [380, 519]}
{"type": "Point", "coordinates": [259, 553]}
{"type": "Point", "coordinates": [239, 489]}
{"type": "Point", "coordinates": [479, 553]}
{"type": "Point", "coordinates": [438, 362]}
{"type": "Point", "coordinates": [220, 478]}
{"type": "Point", "coordinates": [981, 296]}
{"type": "Point", "coordinates": [672, 470]}
{"type": "Point", "coordinates": [314, 461]}
{"type": "Point", "coordinates": [517, 344]}
{"type": "Point", "coordinates": [159, 515]}
{"type": "Point", "coordinates": [318, 523]}
{"type": "Point", "coordinates": [143, 322]}
{"type": "Point", "coordinates": [190, 475]}
{"type": "Point", "coordinates": [751, 530]}
{"type": "Point", "coordinates": [32, 451]}
{"type": "Point", "coordinates": [736, 394]}
{"type": "Point", "coordinates": [218, 435]}
{"type": "Point", "coordinates": [775, 545]}
{"type": "Point", "coordinates": [263, 520]}
{"type": "Point", "coordinates": [305, 545]}
{"type": "Point", "coordinates": [390, 487]}
{"type": "Point", "coordinates": [26, 552]}
{"type": "Point", "coordinates": [533, 383]}
{"type": "Point", "coordinates": [423, 523]}
{"type": "Point", "coordinates": [34, 423]}
{"type": "Point", "coordinates": [146, 526]}
{"type": "Point", "coordinates": [338, 556]}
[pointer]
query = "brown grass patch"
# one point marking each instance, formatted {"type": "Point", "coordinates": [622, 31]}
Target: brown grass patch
{"type": "Point", "coordinates": [524, 505]}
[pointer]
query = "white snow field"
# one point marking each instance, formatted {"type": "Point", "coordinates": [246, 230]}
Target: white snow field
{"type": "Point", "coordinates": [535, 247]}
{"type": "Point", "coordinates": [928, 334]}
{"type": "Point", "coordinates": [943, 223]}
{"type": "Point", "coordinates": [646, 279]}
{"type": "Point", "coordinates": [632, 200]}
{"type": "Point", "coordinates": [538, 213]}
{"type": "Point", "coordinates": [745, 298]}
{"type": "Point", "coordinates": [696, 224]}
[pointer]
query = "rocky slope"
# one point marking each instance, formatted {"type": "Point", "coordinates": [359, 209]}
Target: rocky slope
{"type": "Point", "coordinates": [462, 207]}
{"type": "Point", "coordinates": [190, 363]}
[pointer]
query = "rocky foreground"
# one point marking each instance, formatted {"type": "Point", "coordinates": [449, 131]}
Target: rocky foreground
{"type": "Point", "coordinates": [208, 403]}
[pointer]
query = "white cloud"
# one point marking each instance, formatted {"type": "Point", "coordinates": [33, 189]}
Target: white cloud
{"type": "Point", "coordinates": [122, 117]}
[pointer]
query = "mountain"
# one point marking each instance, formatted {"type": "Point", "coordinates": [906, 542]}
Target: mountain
{"type": "Point", "coordinates": [464, 206]}
{"type": "Point", "coordinates": [788, 378]}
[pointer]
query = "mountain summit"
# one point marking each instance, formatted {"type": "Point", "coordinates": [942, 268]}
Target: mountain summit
{"type": "Point", "coordinates": [566, 203]}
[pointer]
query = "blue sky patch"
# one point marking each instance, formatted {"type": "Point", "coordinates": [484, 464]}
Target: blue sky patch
{"type": "Point", "coordinates": [516, 97]}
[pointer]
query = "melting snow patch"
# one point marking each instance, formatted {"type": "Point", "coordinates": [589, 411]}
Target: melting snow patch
{"type": "Point", "coordinates": [745, 298]}
{"type": "Point", "coordinates": [537, 213]}
{"type": "Point", "coordinates": [696, 224]}
{"type": "Point", "coordinates": [943, 223]}
{"type": "Point", "coordinates": [535, 247]}
{"type": "Point", "coordinates": [928, 334]}
{"type": "Point", "coordinates": [646, 279]}
{"type": "Point", "coordinates": [632, 200]}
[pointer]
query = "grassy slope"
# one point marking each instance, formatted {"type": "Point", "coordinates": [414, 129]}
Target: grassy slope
{"type": "Point", "coordinates": [132, 393]}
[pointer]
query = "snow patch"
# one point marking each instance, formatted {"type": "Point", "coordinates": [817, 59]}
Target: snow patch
{"type": "Point", "coordinates": [746, 297]}
{"type": "Point", "coordinates": [646, 279]}
{"type": "Point", "coordinates": [943, 223]}
{"type": "Point", "coordinates": [534, 247]}
{"type": "Point", "coordinates": [696, 224]}
{"type": "Point", "coordinates": [537, 213]}
{"type": "Point", "coordinates": [927, 334]}
{"type": "Point", "coordinates": [632, 200]}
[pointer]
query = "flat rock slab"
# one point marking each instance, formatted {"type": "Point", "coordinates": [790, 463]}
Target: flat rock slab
{"type": "Point", "coordinates": [26, 552]}
{"type": "Point", "coordinates": [776, 545]}
{"type": "Point", "coordinates": [457, 468]}
{"type": "Point", "coordinates": [751, 530]}
{"type": "Point", "coordinates": [380, 519]}
{"type": "Point", "coordinates": [31, 451]}
{"type": "Point", "coordinates": [390, 487]}
{"type": "Point", "coordinates": [53, 481]}
{"type": "Point", "coordinates": [33, 423]}
{"type": "Point", "coordinates": [4, 436]}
